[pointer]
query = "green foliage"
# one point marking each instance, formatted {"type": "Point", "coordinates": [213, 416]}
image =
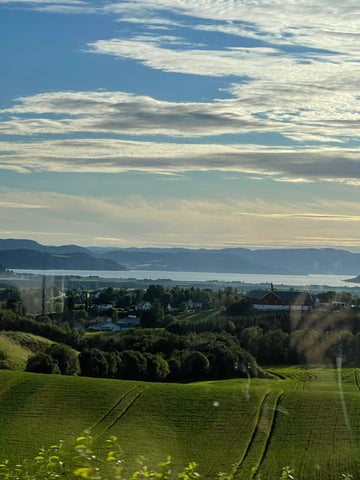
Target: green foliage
{"type": "Point", "coordinates": [241, 307]}
{"type": "Point", "coordinates": [83, 461]}
{"type": "Point", "coordinates": [157, 369]}
{"type": "Point", "coordinates": [196, 365]}
{"type": "Point", "coordinates": [66, 358]}
{"type": "Point", "coordinates": [132, 365]}
{"type": "Point", "coordinates": [12, 321]}
{"type": "Point", "coordinates": [93, 363]}
{"type": "Point", "coordinates": [57, 358]}
{"type": "Point", "coordinates": [42, 363]}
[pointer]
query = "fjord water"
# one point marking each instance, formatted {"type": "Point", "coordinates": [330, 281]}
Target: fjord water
{"type": "Point", "coordinates": [296, 280]}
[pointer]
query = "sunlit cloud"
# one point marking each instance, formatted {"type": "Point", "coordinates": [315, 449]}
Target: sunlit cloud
{"type": "Point", "coordinates": [305, 97]}
{"type": "Point", "coordinates": [189, 222]}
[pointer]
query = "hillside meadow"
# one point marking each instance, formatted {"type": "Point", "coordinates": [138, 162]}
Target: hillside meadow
{"type": "Point", "coordinates": [306, 419]}
{"type": "Point", "coordinates": [16, 347]}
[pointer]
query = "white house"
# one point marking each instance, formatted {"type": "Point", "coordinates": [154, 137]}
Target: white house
{"type": "Point", "coordinates": [192, 304]}
{"type": "Point", "coordinates": [143, 306]}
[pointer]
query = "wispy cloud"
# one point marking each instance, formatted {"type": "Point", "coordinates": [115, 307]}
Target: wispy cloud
{"type": "Point", "coordinates": [56, 6]}
{"type": "Point", "coordinates": [20, 205]}
{"type": "Point", "coordinates": [332, 164]}
{"type": "Point", "coordinates": [298, 77]}
{"type": "Point", "coordinates": [122, 113]}
{"type": "Point", "coordinates": [156, 52]}
{"type": "Point", "coordinates": [44, 2]}
{"type": "Point", "coordinates": [139, 220]}
{"type": "Point", "coordinates": [260, 109]}
{"type": "Point", "coordinates": [310, 94]}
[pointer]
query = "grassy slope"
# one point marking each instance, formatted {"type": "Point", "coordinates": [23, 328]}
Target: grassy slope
{"type": "Point", "coordinates": [17, 346]}
{"type": "Point", "coordinates": [304, 420]}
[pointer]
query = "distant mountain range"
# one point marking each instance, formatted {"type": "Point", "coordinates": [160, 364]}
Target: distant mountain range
{"type": "Point", "coordinates": [29, 254]}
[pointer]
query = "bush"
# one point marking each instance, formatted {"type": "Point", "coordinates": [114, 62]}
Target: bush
{"type": "Point", "coordinates": [157, 368]}
{"type": "Point", "coordinates": [42, 363]}
{"type": "Point", "coordinates": [132, 365]}
{"type": "Point", "coordinates": [93, 363]}
{"type": "Point", "coordinates": [66, 358]}
{"type": "Point", "coordinates": [196, 365]}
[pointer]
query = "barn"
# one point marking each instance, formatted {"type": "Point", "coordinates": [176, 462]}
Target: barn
{"type": "Point", "coordinates": [280, 300]}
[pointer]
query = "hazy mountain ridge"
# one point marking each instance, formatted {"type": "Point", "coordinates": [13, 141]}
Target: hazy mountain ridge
{"type": "Point", "coordinates": [32, 255]}
{"type": "Point", "coordinates": [198, 261]}
{"type": "Point", "coordinates": [15, 244]}
{"type": "Point", "coordinates": [37, 260]}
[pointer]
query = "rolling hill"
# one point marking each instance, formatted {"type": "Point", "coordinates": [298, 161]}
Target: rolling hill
{"type": "Point", "coordinates": [307, 419]}
{"type": "Point", "coordinates": [16, 347]}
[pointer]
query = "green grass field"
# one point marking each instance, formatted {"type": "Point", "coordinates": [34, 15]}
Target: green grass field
{"type": "Point", "coordinates": [307, 419]}
{"type": "Point", "coordinates": [16, 347]}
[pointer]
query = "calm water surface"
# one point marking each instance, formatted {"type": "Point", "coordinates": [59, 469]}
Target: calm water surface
{"type": "Point", "coordinates": [296, 280]}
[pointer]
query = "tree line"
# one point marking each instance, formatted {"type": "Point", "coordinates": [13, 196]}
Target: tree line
{"type": "Point", "coordinates": [230, 342]}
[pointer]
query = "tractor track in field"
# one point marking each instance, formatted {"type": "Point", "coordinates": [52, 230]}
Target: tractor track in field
{"type": "Point", "coordinates": [311, 377]}
{"type": "Point", "coordinates": [356, 377]}
{"type": "Point", "coordinates": [13, 386]}
{"type": "Point", "coordinates": [107, 421]}
{"type": "Point", "coordinates": [278, 375]}
{"type": "Point", "coordinates": [125, 410]}
{"type": "Point", "coordinates": [271, 430]}
{"type": "Point", "coordinates": [109, 412]}
{"type": "Point", "coordinates": [260, 438]}
{"type": "Point", "coordinates": [7, 390]}
{"type": "Point", "coordinates": [251, 442]}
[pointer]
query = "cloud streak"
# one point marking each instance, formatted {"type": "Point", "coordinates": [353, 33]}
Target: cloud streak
{"type": "Point", "coordinates": [333, 118]}
{"type": "Point", "coordinates": [135, 219]}
{"type": "Point", "coordinates": [332, 164]}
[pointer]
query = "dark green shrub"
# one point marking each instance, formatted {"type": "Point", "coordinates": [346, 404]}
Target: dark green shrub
{"type": "Point", "coordinates": [42, 363]}
{"type": "Point", "coordinates": [66, 358]}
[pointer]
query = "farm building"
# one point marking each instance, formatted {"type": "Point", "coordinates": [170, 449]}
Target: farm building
{"type": "Point", "coordinates": [280, 300]}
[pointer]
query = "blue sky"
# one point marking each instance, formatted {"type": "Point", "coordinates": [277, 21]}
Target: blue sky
{"type": "Point", "coordinates": [179, 123]}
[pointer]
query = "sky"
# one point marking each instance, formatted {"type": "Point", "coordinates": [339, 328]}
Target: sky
{"type": "Point", "coordinates": [163, 123]}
